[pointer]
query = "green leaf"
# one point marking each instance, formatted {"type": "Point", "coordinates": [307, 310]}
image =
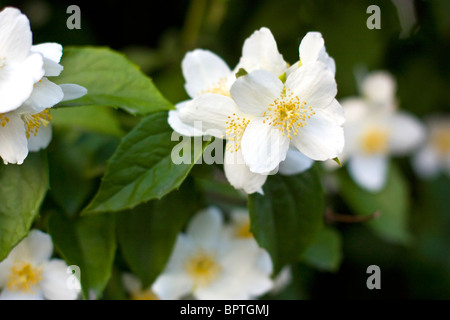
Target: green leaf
{"type": "Point", "coordinates": [90, 244]}
{"type": "Point", "coordinates": [325, 251]}
{"type": "Point", "coordinates": [391, 203]}
{"type": "Point", "coordinates": [241, 72]}
{"type": "Point", "coordinates": [22, 190]}
{"type": "Point", "coordinates": [286, 219]}
{"type": "Point", "coordinates": [142, 169]}
{"type": "Point", "coordinates": [147, 233]}
{"type": "Point", "coordinates": [111, 80]}
{"type": "Point", "coordinates": [96, 119]}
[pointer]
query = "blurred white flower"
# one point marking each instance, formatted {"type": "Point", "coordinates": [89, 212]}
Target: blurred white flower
{"type": "Point", "coordinates": [302, 112]}
{"type": "Point", "coordinates": [29, 273]}
{"type": "Point", "coordinates": [20, 67]}
{"type": "Point", "coordinates": [134, 288]}
{"type": "Point", "coordinates": [434, 156]}
{"type": "Point", "coordinates": [209, 264]}
{"type": "Point", "coordinates": [375, 130]}
{"type": "Point", "coordinates": [27, 128]}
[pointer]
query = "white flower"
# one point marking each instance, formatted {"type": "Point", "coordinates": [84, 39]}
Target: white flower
{"type": "Point", "coordinates": [134, 288]}
{"type": "Point", "coordinates": [20, 67]}
{"type": "Point", "coordinates": [208, 264]}
{"type": "Point", "coordinates": [28, 273]}
{"type": "Point", "coordinates": [434, 156]}
{"type": "Point", "coordinates": [302, 113]}
{"type": "Point", "coordinates": [27, 128]}
{"type": "Point", "coordinates": [375, 130]}
{"type": "Point", "coordinates": [208, 81]}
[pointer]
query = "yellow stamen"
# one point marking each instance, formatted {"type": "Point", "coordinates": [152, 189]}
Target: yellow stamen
{"type": "Point", "coordinates": [375, 141]}
{"type": "Point", "coordinates": [144, 295]}
{"type": "Point", "coordinates": [203, 268]}
{"type": "Point", "coordinates": [441, 140]}
{"type": "Point", "coordinates": [288, 114]}
{"type": "Point", "coordinates": [218, 88]}
{"type": "Point", "coordinates": [34, 122]}
{"type": "Point", "coordinates": [243, 230]}
{"type": "Point", "coordinates": [234, 131]}
{"type": "Point", "coordinates": [3, 119]}
{"type": "Point", "coordinates": [23, 277]}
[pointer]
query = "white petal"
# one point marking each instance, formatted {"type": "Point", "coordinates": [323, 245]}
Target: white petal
{"type": "Point", "coordinates": [5, 269]}
{"type": "Point", "coordinates": [72, 91]}
{"type": "Point", "coordinates": [254, 92]}
{"type": "Point", "coordinates": [311, 46]}
{"type": "Point", "coordinates": [39, 245]}
{"type": "Point", "coordinates": [172, 286]}
{"type": "Point", "coordinates": [41, 140]}
{"type": "Point", "coordinates": [239, 175]}
{"type": "Point", "coordinates": [335, 111]}
{"type": "Point", "coordinates": [15, 35]}
{"type": "Point", "coordinates": [379, 87]}
{"type": "Point", "coordinates": [54, 283]}
{"type": "Point", "coordinates": [313, 83]}
{"type": "Point", "coordinates": [321, 139]}
{"type": "Point", "coordinates": [178, 125]}
{"type": "Point", "coordinates": [50, 50]}
{"type": "Point", "coordinates": [131, 282]}
{"type": "Point", "coordinates": [209, 112]}
{"type": "Point", "coordinates": [13, 145]}
{"type": "Point", "coordinates": [369, 172]}
{"type": "Point", "coordinates": [355, 109]}
{"type": "Point", "coordinates": [426, 163]}
{"type": "Point", "coordinates": [17, 82]}
{"type": "Point", "coordinates": [206, 227]}
{"type": "Point", "coordinates": [263, 146]}
{"type": "Point", "coordinates": [296, 162]}
{"type": "Point", "coordinates": [13, 295]}
{"type": "Point", "coordinates": [406, 133]}
{"type": "Point", "coordinates": [201, 70]}
{"type": "Point", "coordinates": [45, 95]}
{"type": "Point", "coordinates": [260, 52]}
{"type": "Point", "coordinates": [52, 53]}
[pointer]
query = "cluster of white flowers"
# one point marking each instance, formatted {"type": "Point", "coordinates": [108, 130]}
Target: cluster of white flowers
{"type": "Point", "coordinates": [212, 260]}
{"type": "Point", "coordinates": [25, 91]}
{"type": "Point", "coordinates": [29, 273]}
{"type": "Point", "coordinates": [375, 129]}
{"type": "Point", "coordinates": [273, 117]}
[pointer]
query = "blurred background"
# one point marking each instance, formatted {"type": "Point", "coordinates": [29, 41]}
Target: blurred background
{"type": "Point", "coordinates": [413, 44]}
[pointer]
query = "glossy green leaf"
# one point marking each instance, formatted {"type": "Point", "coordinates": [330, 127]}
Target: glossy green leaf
{"type": "Point", "coordinates": [142, 169]}
{"type": "Point", "coordinates": [287, 217]}
{"type": "Point", "coordinates": [325, 251]}
{"type": "Point", "coordinates": [91, 118]}
{"type": "Point", "coordinates": [90, 244]}
{"type": "Point", "coordinates": [391, 203]}
{"type": "Point", "coordinates": [22, 190]}
{"type": "Point", "coordinates": [111, 80]}
{"type": "Point", "coordinates": [148, 232]}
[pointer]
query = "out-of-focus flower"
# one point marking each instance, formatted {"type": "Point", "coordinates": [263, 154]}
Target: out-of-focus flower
{"type": "Point", "coordinates": [29, 273]}
{"type": "Point", "coordinates": [27, 128]}
{"type": "Point", "coordinates": [20, 67]}
{"type": "Point", "coordinates": [375, 130]}
{"type": "Point", "coordinates": [434, 156]}
{"type": "Point", "coordinates": [209, 264]}
{"type": "Point", "coordinates": [133, 286]}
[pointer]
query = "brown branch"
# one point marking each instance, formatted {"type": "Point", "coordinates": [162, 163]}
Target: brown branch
{"type": "Point", "coordinates": [331, 216]}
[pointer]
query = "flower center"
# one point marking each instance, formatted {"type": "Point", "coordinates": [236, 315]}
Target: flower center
{"type": "Point", "coordinates": [203, 268]}
{"type": "Point", "coordinates": [375, 141]}
{"type": "Point", "coordinates": [243, 230]}
{"type": "Point", "coordinates": [288, 113]}
{"type": "Point", "coordinates": [3, 119]}
{"type": "Point", "coordinates": [35, 121]}
{"type": "Point", "coordinates": [2, 62]}
{"type": "Point", "coordinates": [441, 140]}
{"type": "Point", "coordinates": [235, 130]}
{"type": "Point", "coordinates": [144, 295]}
{"type": "Point", "coordinates": [23, 277]}
{"type": "Point", "coordinates": [220, 87]}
